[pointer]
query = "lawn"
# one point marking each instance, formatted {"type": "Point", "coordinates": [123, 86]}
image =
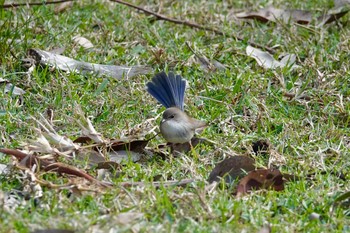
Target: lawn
{"type": "Point", "coordinates": [303, 114]}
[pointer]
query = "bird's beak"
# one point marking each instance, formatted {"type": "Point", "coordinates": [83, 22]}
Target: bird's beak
{"type": "Point", "coordinates": [163, 120]}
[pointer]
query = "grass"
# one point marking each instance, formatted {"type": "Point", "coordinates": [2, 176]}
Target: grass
{"type": "Point", "coordinates": [244, 103]}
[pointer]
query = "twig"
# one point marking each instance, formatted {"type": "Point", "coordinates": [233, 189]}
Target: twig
{"type": "Point", "coordinates": [192, 24]}
{"type": "Point", "coordinates": [12, 5]}
{"type": "Point", "coordinates": [158, 184]}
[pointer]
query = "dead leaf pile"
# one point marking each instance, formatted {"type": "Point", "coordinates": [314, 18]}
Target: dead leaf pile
{"type": "Point", "coordinates": [243, 170]}
{"type": "Point", "coordinates": [272, 14]}
{"type": "Point", "coordinates": [241, 173]}
{"type": "Point", "coordinates": [51, 152]}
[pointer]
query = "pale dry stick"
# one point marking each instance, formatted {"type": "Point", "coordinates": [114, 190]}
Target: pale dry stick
{"type": "Point", "coordinates": [158, 184]}
{"type": "Point", "coordinates": [13, 5]}
{"type": "Point", "coordinates": [192, 24]}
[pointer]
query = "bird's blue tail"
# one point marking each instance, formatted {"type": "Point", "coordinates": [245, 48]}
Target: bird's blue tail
{"type": "Point", "coordinates": [169, 89]}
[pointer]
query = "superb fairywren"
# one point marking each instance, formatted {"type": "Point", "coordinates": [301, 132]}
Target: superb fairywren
{"type": "Point", "coordinates": [176, 126]}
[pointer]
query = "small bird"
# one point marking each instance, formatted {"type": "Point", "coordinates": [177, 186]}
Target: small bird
{"type": "Point", "coordinates": [176, 126]}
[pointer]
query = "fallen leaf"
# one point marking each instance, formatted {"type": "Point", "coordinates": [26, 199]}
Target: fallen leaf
{"type": "Point", "coordinates": [134, 145]}
{"type": "Point", "coordinates": [261, 179]}
{"type": "Point", "coordinates": [16, 91]}
{"type": "Point", "coordinates": [232, 168]}
{"type": "Point", "coordinates": [82, 139]}
{"type": "Point", "coordinates": [267, 61]}
{"type": "Point", "coordinates": [273, 14]}
{"type": "Point", "coordinates": [3, 169]}
{"type": "Point", "coordinates": [50, 139]}
{"type": "Point", "coordinates": [334, 14]}
{"type": "Point", "coordinates": [83, 42]}
{"type": "Point", "coordinates": [123, 155]}
{"type": "Point", "coordinates": [71, 65]}
{"type": "Point", "coordinates": [63, 7]}
{"type": "Point", "coordinates": [92, 157]}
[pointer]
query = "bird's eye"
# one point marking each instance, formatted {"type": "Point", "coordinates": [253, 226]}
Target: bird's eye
{"type": "Point", "coordinates": [172, 116]}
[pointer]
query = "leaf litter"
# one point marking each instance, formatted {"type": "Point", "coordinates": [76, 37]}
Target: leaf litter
{"type": "Point", "coordinates": [51, 152]}
{"type": "Point", "coordinates": [272, 14]}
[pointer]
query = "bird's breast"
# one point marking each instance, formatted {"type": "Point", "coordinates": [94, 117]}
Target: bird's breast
{"type": "Point", "coordinates": [176, 132]}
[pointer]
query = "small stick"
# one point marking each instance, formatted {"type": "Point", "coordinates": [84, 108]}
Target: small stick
{"type": "Point", "coordinates": [158, 184]}
{"type": "Point", "coordinates": [191, 24]}
{"type": "Point", "coordinates": [13, 5]}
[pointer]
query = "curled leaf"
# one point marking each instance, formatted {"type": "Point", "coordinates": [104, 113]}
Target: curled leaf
{"type": "Point", "coordinates": [273, 14]}
{"type": "Point", "coordinates": [83, 42]}
{"type": "Point", "coordinates": [261, 179]}
{"type": "Point", "coordinates": [267, 61]}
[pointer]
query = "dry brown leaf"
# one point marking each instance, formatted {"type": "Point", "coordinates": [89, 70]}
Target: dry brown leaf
{"type": "Point", "coordinates": [134, 145]}
{"type": "Point", "coordinates": [261, 179]}
{"type": "Point", "coordinates": [273, 14]}
{"type": "Point", "coordinates": [334, 14]}
{"type": "Point", "coordinates": [123, 155]}
{"type": "Point", "coordinates": [232, 168]}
